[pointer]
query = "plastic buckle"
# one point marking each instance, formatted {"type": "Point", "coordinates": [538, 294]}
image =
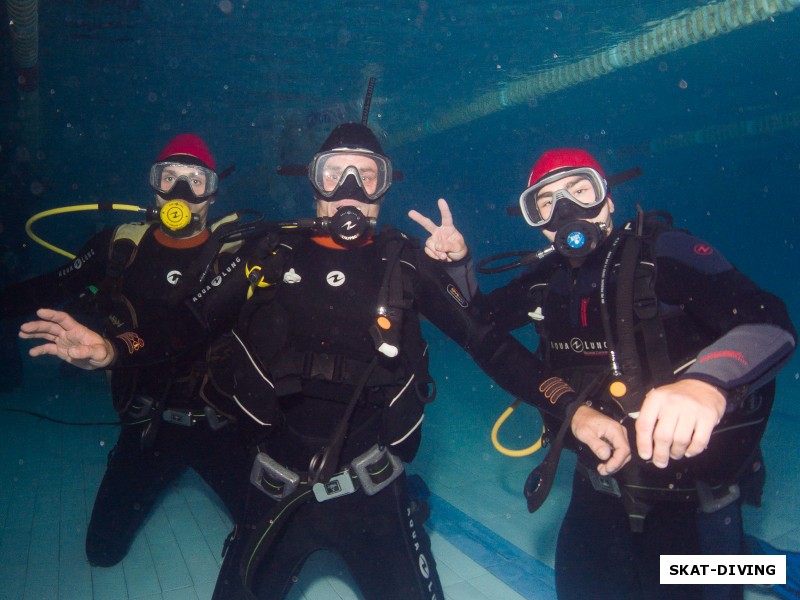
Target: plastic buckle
{"type": "Point", "coordinates": [272, 478]}
{"type": "Point", "coordinates": [140, 407]}
{"type": "Point", "coordinates": [712, 500]}
{"type": "Point", "coordinates": [371, 457]}
{"type": "Point", "coordinates": [178, 417]}
{"type": "Point", "coordinates": [604, 484]}
{"type": "Point", "coordinates": [340, 484]}
{"type": "Point", "coordinates": [215, 420]}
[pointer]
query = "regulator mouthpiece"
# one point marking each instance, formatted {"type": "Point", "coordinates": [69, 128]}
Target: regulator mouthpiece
{"type": "Point", "coordinates": [175, 215]}
{"type": "Point", "coordinates": [348, 225]}
{"type": "Point", "coordinates": [577, 239]}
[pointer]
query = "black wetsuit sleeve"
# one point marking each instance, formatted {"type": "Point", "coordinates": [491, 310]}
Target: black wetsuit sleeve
{"type": "Point", "coordinates": [755, 333]}
{"type": "Point", "coordinates": [495, 351]}
{"type": "Point", "coordinates": [66, 283]}
{"type": "Point", "coordinates": [462, 272]}
{"type": "Point", "coordinates": [508, 306]}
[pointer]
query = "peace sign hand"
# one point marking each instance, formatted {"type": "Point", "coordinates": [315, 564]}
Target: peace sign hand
{"type": "Point", "coordinates": [445, 242]}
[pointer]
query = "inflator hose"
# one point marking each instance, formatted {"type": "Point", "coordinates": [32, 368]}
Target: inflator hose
{"type": "Point", "coordinates": [507, 451]}
{"type": "Point", "coordinates": [69, 209]}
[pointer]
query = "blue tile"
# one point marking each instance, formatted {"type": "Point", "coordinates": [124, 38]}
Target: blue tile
{"type": "Point", "coordinates": [208, 517]}
{"type": "Point", "coordinates": [108, 583]}
{"type": "Point", "coordinates": [156, 527]}
{"type": "Point", "coordinates": [20, 510]}
{"type": "Point", "coordinates": [3, 508]}
{"type": "Point", "coordinates": [200, 560]}
{"type": "Point", "coordinates": [464, 591]}
{"type": "Point", "coordinates": [180, 594]}
{"type": "Point", "coordinates": [72, 540]}
{"type": "Point", "coordinates": [15, 546]}
{"type": "Point", "coordinates": [173, 498]}
{"type": "Point", "coordinates": [71, 476]}
{"type": "Point", "coordinates": [74, 579]}
{"type": "Point", "coordinates": [170, 566]}
{"type": "Point", "coordinates": [205, 589]}
{"type": "Point", "coordinates": [44, 548]}
{"type": "Point", "coordinates": [47, 509]}
{"type": "Point", "coordinates": [93, 471]}
{"type": "Point", "coordinates": [140, 572]}
{"type": "Point", "coordinates": [182, 522]}
{"type": "Point", "coordinates": [73, 505]}
{"type": "Point", "coordinates": [42, 581]}
{"type": "Point", "coordinates": [13, 578]}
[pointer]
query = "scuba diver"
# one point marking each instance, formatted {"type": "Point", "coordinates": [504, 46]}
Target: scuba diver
{"type": "Point", "coordinates": [326, 357]}
{"type": "Point", "coordinates": [657, 330]}
{"type": "Point", "coordinates": [128, 274]}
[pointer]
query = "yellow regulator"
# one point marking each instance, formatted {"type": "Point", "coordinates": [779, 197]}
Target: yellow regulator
{"type": "Point", "coordinates": [175, 215]}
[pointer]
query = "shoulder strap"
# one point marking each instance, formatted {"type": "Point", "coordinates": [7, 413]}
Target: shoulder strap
{"type": "Point", "coordinates": [635, 296]}
{"type": "Point", "coordinates": [124, 245]}
{"type": "Point", "coordinates": [391, 302]}
{"type": "Point", "coordinates": [645, 302]}
{"type": "Point", "coordinates": [121, 254]}
{"type": "Point", "coordinates": [220, 225]}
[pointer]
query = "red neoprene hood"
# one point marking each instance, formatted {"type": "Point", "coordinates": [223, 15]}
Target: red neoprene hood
{"type": "Point", "coordinates": [562, 158]}
{"type": "Point", "coordinates": [188, 144]}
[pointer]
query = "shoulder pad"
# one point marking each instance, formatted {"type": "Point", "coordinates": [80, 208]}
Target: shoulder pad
{"type": "Point", "coordinates": [134, 232]}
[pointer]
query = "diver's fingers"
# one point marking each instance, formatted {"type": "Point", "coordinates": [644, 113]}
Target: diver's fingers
{"type": "Point", "coordinates": [700, 439]}
{"type": "Point", "coordinates": [58, 316]}
{"type": "Point", "coordinates": [45, 330]}
{"type": "Point", "coordinates": [43, 350]}
{"type": "Point", "coordinates": [682, 436]}
{"type": "Point", "coordinates": [421, 219]}
{"type": "Point", "coordinates": [431, 249]}
{"type": "Point", "coordinates": [447, 216]}
{"type": "Point", "coordinates": [618, 459]}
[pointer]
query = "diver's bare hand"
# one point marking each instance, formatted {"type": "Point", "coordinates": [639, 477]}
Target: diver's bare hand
{"type": "Point", "coordinates": [607, 438]}
{"type": "Point", "coordinates": [445, 242]}
{"type": "Point", "coordinates": [68, 340]}
{"type": "Point", "coordinates": [676, 420]}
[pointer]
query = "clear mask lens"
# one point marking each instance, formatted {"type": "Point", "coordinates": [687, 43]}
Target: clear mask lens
{"type": "Point", "coordinates": [202, 182]}
{"type": "Point", "coordinates": [370, 172]}
{"type": "Point", "coordinates": [584, 187]}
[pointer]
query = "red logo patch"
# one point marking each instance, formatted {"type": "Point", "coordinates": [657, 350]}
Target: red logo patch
{"type": "Point", "coordinates": [703, 249]}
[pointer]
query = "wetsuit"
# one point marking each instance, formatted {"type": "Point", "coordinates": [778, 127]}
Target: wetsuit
{"type": "Point", "coordinates": [301, 350]}
{"type": "Point", "coordinates": [164, 430]}
{"type": "Point", "coordinates": [743, 335]}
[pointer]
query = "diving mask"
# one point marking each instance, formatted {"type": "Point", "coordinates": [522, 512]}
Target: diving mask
{"type": "Point", "coordinates": [579, 194]}
{"type": "Point", "coordinates": [350, 174]}
{"type": "Point", "coordinates": [180, 181]}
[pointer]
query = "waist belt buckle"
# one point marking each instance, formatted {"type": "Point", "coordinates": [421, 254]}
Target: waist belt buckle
{"type": "Point", "coordinates": [376, 469]}
{"type": "Point", "coordinates": [604, 484]}
{"type": "Point", "coordinates": [272, 478]}
{"type": "Point", "coordinates": [711, 500]}
{"type": "Point", "coordinates": [140, 407]}
{"type": "Point", "coordinates": [215, 420]}
{"type": "Point", "coordinates": [178, 417]}
{"type": "Point", "coordinates": [340, 484]}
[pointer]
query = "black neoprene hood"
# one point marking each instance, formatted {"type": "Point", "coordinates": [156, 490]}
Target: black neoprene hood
{"type": "Point", "coordinates": [352, 135]}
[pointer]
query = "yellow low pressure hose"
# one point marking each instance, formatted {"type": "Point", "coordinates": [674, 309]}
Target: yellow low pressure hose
{"type": "Point", "coordinates": [69, 209]}
{"type": "Point", "coordinates": [502, 449]}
